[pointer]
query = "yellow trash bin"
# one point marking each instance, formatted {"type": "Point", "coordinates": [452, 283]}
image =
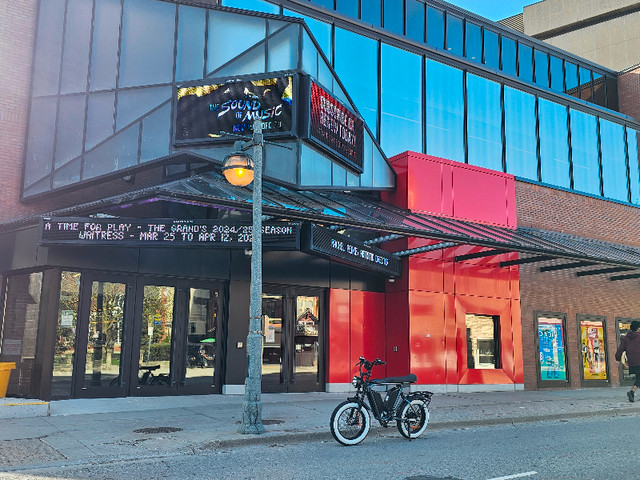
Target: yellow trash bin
{"type": "Point", "coordinates": [5, 373]}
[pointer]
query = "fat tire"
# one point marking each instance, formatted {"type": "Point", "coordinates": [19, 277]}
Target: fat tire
{"type": "Point", "coordinates": [340, 429]}
{"type": "Point", "coordinates": [415, 406]}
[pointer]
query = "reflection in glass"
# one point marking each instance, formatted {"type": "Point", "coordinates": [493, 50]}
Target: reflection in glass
{"type": "Point", "coordinates": [571, 79]}
{"type": "Point", "coordinates": [584, 152]}
{"type": "Point", "coordinates": [155, 335]}
{"type": "Point", "coordinates": [491, 49]}
{"type": "Point", "coordinates": [444, 111]}
{"type": "Point", "coordinates": [257, 5]}
{"type": "Point", "coordinates": [435, 27]}
{"type": "Point", "coordinates": [614, 163]}
{"type": "Point", "coordinates": [106, 328]}
{"type": "Point", "coordinates": [612, 92]}
{"type": "Point", "coordinates": [201, 336]}
{"type": "Point", "coordinates": [272, 313]}
{"type": "Point", "coordinates": [585, 84]}
{"type": "Point", "coordinates": [554, 143]}
{"type": "Point", "coordinates": [520, 133]}
{"type": "Point", "coordinates": [454, 35]}
{"type": "Point", "coordinates": [401, 96]}
{"type": "Point", "coordinates": [525, 62]}
{"type": "Point", "coordinates": [306, 338]}
{"type": "Point", "coordinates": [347, 7]}
{"type": "Point", "coordinates": [542, 68]}
{"type": "Point", "coordinates": [77, 32]}
{"type": "Point", "coordinates": [484, 119]}
{"type": "Point", "coordinates": [191, 28]}
{"type": "Point", "coordinates": [315, 168]}
{"type": "Point", "coordinates": [599, 92]}
{"type": "Point", "coordinates": [509, 64]}
{"type": "Point", "coordinates": [634, 168]}
{"type": "Point", "coordinates": [482, 341]}
{"type": "Point", "coordinates": [65, 347]}
{"type": "Point", "coordinates": [393, 15]}
{"type": "Point", "coordinates": [415, 20]}
{"type": "Point", "coordinates": [556, 73]}
{"type": "Point", "coordinates": [321, 31]}
{"type": "Point", "coordinates": [371, 12]}
{"type": "Point", "coordinates": [473, 42]}
{"type": "Point", "coordinates": [104, 49]}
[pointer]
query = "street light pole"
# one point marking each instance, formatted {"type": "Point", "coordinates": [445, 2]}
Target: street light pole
{"type": "Point", "coordinates": [252, 406]}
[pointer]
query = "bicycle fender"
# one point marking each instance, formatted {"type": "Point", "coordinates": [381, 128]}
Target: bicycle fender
{"type": "Point", "coordinates": [355, 399]}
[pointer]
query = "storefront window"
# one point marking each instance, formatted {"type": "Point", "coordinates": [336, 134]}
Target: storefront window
{"type": "Point", "coordinates": [65, 346]}
{"type": "Point", "coordinates": [584, 152]}
{"type": "Point", "coordinates": [551, 345]}
{"type": "Point", "coordinates": [157, 332]}
{"type": "Point", "coordinates": [554, 143]}
{"type": "Point", "coordinates": [445, 111]}
{"type": "Point", "coordinates": [624, 326]}
{"type": "Point", "coordinates": [482, 341]}
{"type": "Point", "coordinates": [520, 133]}
{"type": "Point", "coordinates": [614, 164]}
{"type": "Point", "coordinates": [201, 336]}
{"type": "Point", "coordinates": [484, 130]}
{"type": "Point", "coordinates": [593, 348]}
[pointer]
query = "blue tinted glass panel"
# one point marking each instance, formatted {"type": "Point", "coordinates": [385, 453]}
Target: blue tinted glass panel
{"type": "Point", "coordinates": [484, 130]}
{"type": "Point", "coordinates": [584, 152]}
{"type": "Point", "coordinates": [401, 119]}
{"type": "Point", "coordinates": [283, 50]}
{"type": "Point", "coordinates": [371, 12]}
{"type": "Point", "coordinates": [230, 35]}
{"type": "Point", "coordinates": [104, 50]}
{"type": "Point", "coordinates": [347, 7]}
{"type": "Point", "coordinates": [491, 49]}
{"type": "Point", "coordinates": [445, 111]}
{"type": "Point", "coordinates": [520, 133]}
{"type": "Point", "coordinates": [75, 61]}
{"type": "Point", "coordinates": [525, 62]}
{"type": "Point", "coordinates": [435, 27]}
{"type": "Point", "coordinates": [415, 20]}
{"type": "Point", "coordinates": [155, 134]}
{"type": "Point", "coordinates": [135, 103]}
{"type": "Point", "coordinates": [393, 12]}
{"type": "Point", "coordinates": [614, 161]}
{"type": "Point", "coordinates": [191, 28]}
{"type": "Point", "coordinates": [359, 73]}
{"type": "Point", "coordinates": [48, 47]}
{"type": "Point", "coordinates": [509, 64]}
{"type": "Point", "coordinates": [554, 143]}
{"type": "Point", "coordinates": [39, 156]}
{"type": "Point", "coordinates": [585, 84]}
{"type": "Point", "coordinates": [321, 31]}
{"type": "Point", "coordinates": [571, 79]}
{"type": "Point", "coordinates": [69, 140]}
{"type": "Point", "coordinates": [473, 42]}
{"type": "Point", "coordinates": [67, 175]}
{"type": "Point", "coordinates": [257, 5]}
{"type": "Point", "coordinates": [454, 35]}
{"type": "Point", "coordinates": [542, 68]}
{"type": "Point", "coordinates": [324, 3]}
{"type": "Point", "coordinates": [634, 162]}
{"type": "Point", "coordinates": [557, 76]}
{"type": "Point", "coordinates": [99, 118]}
{"type": "Point", "coordinates": [117, 153]}
{"type": "Point", "coordinates": [315, 168]}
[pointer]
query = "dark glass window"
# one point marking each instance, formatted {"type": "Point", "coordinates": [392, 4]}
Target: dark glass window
{"type": "Point", "coordinates": [315, 168]}
{"type": "Point", "coordinates": [509, 64]}
{"type": "Point", "coordinates": [348, 7]}
{"type": "Point", "coordinates": [454, 35]}
{"type": "Point", "coordinates": [41, 140]}
{"type": "Point", "coordinates": [191, 27]}
{"type": "Point", "coordinates": [415, 20]}
{"type": "Point", "coordinates": [401, 108]}
{"type": "Point", "coordinates": [542, 68]}
{"type": "Point", "coordinates": [484, 127]}
{"type": "Point", "coordinates": [584, 152]}
{"type": "Point", "coordinates": [104, 51]}
{"type": "Point", "coordinates": [473, 42]}
{"type": "Point", "coordinates": [359, 72]}
{"type": "Point", "coordinates": [435, 27]}
{"type": "Point", "coordinates": [445, 111]}
{"type": "Point", "coordinates": [599, 91]}
{"type": "Point", "coordinates": [554, 143]}
{"type": "Point", "coordinates": [393, 16]}
{"type": "Point", "coordinates": [525, 62]}
{"type": "Point", "coordinates": [482, 341]}
{"type": "Point", "coordinates": [634, 164]}
{"type": "Point", "coordinates": [48, 48]}
{"type": "Point", "coordinates": [585, 84]}
{"type": "Point", "coordinates": [491, 49]}
{"type": "Point", "coordinates": [320, 30]}
{"type": "Point", "coordinates": [571, 79]}
{"type": "Point", "coordinates": [520, 133]}
{"type": "Point", "coordinates": [75, 61]}
{"type": "Point", "coordinates": [556, 73]}
{"type": "Point", "coordinates": [614, 162]}
{"type": "Point", "coordinates": [69, 140]}
{"type": "Point", "coordinates": [371, 11]}
{"type": "Point", "coordinates": [612, 93]}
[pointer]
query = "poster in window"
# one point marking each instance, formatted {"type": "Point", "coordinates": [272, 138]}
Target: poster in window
{"type": "Point", "coordinates": [553, 365]}
{"type": "Point", "coordinates": [593, 350]}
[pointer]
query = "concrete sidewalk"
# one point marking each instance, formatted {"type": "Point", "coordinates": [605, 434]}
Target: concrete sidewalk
{"type": "Point", "coordinates": [102, 430]}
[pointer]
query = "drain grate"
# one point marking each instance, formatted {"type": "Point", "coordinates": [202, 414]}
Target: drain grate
{"type": "Point", "coordinates": [158, 430]}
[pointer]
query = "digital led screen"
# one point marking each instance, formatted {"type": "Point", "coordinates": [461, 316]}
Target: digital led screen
{"type": "Point", "coordinates": [165, 232]}
{"type": "Point", "coordinates": [205, 112]}
{"type": "Point", "coordinates": [334, 127]}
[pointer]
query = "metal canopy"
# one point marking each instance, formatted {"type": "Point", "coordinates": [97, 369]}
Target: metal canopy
{"type": "Point", "coordinates": [346, 209]}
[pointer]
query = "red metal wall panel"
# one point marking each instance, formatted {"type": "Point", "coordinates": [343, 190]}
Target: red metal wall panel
{"type": "Point", "coordinates": [397, 327]}
{"type": "Point", "coordinates": [374, 327]}
{"type": "Point", "coordinates": [356, 315]}
{"type": "Point", "coordinates": [427, 336]}
{"type": "Point", "coordinates": [338, 369]}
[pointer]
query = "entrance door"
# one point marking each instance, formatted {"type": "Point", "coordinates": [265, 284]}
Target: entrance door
{"type": "Point", "coordinates": [292, 353]}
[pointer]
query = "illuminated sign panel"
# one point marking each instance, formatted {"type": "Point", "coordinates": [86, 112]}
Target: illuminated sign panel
{"type": "Point", "coordinates": [203, 112]}
{"type": "Point", "coordinates": [334, 127]}
{"type": "Point", "coordinates": [165, 232]}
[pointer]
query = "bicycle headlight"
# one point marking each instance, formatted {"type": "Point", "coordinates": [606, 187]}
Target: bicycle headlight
{"type": "Point", "coordinates": [355, 381]}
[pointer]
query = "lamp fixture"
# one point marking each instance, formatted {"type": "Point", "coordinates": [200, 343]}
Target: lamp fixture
{"type": "Point", "coordinates": [237, 167]}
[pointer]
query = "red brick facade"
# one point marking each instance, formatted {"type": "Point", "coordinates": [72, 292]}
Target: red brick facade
{"type": "Point", "coordinates": [629, 92]}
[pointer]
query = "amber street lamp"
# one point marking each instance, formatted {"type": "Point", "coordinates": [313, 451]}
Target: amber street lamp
{"type": "Point", "coordinates": [239, 169]}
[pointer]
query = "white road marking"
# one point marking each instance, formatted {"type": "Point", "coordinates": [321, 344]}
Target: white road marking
{"type": "Point", "coordinates": [517, 475]}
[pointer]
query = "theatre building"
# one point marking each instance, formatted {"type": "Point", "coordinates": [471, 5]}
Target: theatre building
{"type": "Point", "coordinates": [440, 191]}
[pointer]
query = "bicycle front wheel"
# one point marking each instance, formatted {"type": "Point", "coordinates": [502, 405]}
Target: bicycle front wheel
{"type": "Point", "coordinates": [414, 417]}
{"type": "Point", "coordinates": [350, 423]}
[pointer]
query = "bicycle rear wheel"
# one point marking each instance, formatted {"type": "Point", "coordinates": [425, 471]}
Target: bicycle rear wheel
{"type": "Point", "coordinates": [350, 423]}
{"type": "Point", "coordinates": [414, 417]}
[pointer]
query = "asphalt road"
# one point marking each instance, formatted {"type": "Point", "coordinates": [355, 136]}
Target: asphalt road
{"type": "Point", "coordinates": [602, 448]}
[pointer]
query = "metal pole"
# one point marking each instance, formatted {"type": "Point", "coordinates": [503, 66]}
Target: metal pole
{"type": "Point", "coordinates": [252, 406]}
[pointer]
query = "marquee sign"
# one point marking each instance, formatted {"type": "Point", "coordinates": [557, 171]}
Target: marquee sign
{"type": "Point", "coordinates": [165, 232]}
{"type": "Point", "coordinates": [204, 112]}
{"type": "Point", "coordinates": [325, 242]}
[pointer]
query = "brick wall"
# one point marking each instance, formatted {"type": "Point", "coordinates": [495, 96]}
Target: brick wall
{"type": "Point", "coordinates": [562, 291]}
{"type": "Point", "coordinates": [629, 92]}
{"type": "Point", "coordinates": [16, 51]}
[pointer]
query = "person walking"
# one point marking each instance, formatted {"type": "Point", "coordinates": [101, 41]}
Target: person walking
{"type": "Point", "coordinates": [630, 344]}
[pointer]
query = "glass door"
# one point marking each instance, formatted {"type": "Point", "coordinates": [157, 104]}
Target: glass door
{"type": "Point", "coordinates": [307, 351]}
{"type": "Point", "coordinates": [273, 318]}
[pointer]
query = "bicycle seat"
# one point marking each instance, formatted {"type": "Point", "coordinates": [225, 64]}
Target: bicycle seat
{"type": "Point", "coordinates": [411, 378]}
{"type": "Point", "coordinates": [149, 367]}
